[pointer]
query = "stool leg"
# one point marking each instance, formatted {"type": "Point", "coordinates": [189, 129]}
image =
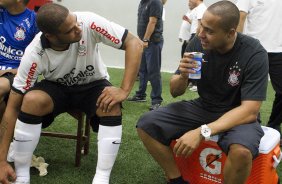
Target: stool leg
{"type": "Point", "coordinates": [79, 140]}
{"type": "Point", "coordinates": [87, 136]}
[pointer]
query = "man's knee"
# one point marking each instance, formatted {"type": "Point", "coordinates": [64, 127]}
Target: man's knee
{"type": "Point", "coordinates": [39, 100]}
{"type": "Point", "coordinates": [239, 152]}
{"type": "Point", "coordinates": [4, 88]}
{"type": "Point", "coordinates": [115, 111]}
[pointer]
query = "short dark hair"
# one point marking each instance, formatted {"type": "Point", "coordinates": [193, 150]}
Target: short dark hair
{"type": "Point", "coordinates": [50, 16]}
{"type": "Point", "coordinates": [228, 12]}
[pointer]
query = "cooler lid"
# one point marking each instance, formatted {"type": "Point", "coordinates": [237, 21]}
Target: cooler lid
{"type": "Point", "coordinates": [270, 139]}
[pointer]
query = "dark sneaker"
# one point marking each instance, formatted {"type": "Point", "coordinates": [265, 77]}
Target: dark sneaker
{"type": "Point", "coordinates": [154, 107]}
{"type": "Point", "coordinates": [137, 99]}
{"type": "Point", "coordinates": [178, 181]}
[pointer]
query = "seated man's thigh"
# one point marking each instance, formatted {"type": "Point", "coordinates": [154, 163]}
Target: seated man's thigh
{"type": "Point", "coordinates": [171, 122]}
{"type": "Point", "coordinates": [86, 100]}
{"type": "Point", "coordinates": [247, 135]}
{"type": "Point", "coordinates": [56, 100]}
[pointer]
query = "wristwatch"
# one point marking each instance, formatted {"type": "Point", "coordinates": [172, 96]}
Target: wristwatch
{"type": "Point", "coordinates": [206, 132]}
{"type": "Point", "coordinates": [146, 40]}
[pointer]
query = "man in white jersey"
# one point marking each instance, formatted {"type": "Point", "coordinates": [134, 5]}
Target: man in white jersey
{"type": "Point", "coordinates": [263, 22]}
{"type": "Point", "coordinates": [66, 53]}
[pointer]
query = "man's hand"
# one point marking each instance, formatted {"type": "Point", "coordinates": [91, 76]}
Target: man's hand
{"type": "Point", "coordinates": [111, 96]}
{"type": "Point", "coordinates": [7, 173]}
{"type": "Point", "coordinates": [187, 63]}
{"type": "Point", "coordinates": [145, 45]}
{"type": "Point", "coordinates": [187, 143]}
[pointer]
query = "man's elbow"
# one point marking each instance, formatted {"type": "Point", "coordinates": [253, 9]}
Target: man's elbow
{"type": "Point", "coordinates": [253, 109]}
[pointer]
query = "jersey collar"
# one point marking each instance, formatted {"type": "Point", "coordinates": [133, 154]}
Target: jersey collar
{"type": "Point", "coordinates": [44, 42]}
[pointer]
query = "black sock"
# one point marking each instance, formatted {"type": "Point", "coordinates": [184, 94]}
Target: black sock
{"type": "Point", "coordinates": [178, 180]}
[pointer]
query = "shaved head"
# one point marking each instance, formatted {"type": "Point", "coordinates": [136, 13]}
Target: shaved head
{"type": "Point", "coordinates": [50, 16]}
{"type": "Point", "coordinates": [228, 12]}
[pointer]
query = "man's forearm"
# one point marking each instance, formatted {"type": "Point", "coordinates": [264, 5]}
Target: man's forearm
{"type": "Point", "coordinates": [243, 16]}
{"type": "Point", "coordinates": [8, 122]}
{"type": "Point", "coordinates": [149, 30]}
{"type": "Point", "coordinates": [243, 114]}
{"type": "Point", "coordinates": [6, 132]}
{"type": "Point", "coordinates": [133, 54]}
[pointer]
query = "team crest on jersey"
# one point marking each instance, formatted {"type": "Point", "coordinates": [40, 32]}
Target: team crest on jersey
{"type": "Point", "coordinates": [20, 34]}
{"type": "Point", "coordinates": [234, 73]}
{"type": "Point", "coordinates": [82, 50]}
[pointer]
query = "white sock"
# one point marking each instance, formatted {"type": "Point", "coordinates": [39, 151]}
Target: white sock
{"type": "Point", "coordinates": [109, 139]}
{"type": "Point", "coordinates": [26, 138]}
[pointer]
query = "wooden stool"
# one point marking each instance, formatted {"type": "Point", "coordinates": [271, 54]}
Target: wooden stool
{"type": "Point", "coordinates": [82, 136]}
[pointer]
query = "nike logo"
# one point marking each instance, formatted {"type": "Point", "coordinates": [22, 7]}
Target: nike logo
{"type": "Point", "coordinates": [51, 71]}
{"type": "Point", "coordinates": [21, 140]}
{"type": "Point", "coordinates": [115, 142]}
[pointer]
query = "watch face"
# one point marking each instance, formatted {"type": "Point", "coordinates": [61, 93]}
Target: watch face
{"type": "Point", "coordinates": [206, 131]}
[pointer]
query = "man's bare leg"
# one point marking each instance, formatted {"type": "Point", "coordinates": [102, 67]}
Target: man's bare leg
{"type": "Point", "coordinates": [161, 153]}
{"type": "Point", "coordinates": [238, 165]}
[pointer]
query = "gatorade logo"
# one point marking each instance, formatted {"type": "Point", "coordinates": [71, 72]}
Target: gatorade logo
{"type": "Point", "coordinates": [209, 160]}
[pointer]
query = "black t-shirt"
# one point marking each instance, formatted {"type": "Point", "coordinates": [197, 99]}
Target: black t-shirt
{"type": "Point", "coordinates": [147, 9]}
{"type": "Point", "coordinates": [238, 75]}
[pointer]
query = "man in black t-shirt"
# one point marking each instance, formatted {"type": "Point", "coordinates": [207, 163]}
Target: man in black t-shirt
{"type": "Point", "coordinates": [150, 31]}
{"type": "Point", "coordinates": [232, 87]}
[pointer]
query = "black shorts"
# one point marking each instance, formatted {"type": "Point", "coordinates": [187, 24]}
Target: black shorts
{"type": "Point", "coordinates": [10, 76]}
{"type": "Point", "coordinates": [65, 98]}
{"type": "Point", "coordinates": [171, 122]}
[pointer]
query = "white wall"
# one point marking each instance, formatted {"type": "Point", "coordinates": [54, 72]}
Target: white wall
{"type": "Point", "coordinates": [124, 12]}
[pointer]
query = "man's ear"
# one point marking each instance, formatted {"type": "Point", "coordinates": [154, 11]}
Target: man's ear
{"type": "Point", "coordinates": [231, 33]}
{"type": "Point", "coordinates": [48, 36]}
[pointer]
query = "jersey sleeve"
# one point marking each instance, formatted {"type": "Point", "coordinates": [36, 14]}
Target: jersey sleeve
{"type": "Point", "coordinates": [156, 9]}
{"type": "Point", "coordinates": [255, 81]}
{"type": "Point", "coordinates": [107, 32]}
{"type": "Point", "coordinates": [28, 70]}
{"type": "Point", "coordinates": [243, 5]}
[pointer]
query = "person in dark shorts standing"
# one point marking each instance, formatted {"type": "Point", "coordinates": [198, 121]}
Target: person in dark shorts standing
{"type": "Point", "coordinates": [231, 89]}
{"type": "Point", "coordinates": [66, 53]}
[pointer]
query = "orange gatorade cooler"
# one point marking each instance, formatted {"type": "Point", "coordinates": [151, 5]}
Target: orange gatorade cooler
{"type": "Point", "coordinates": [205, 165]}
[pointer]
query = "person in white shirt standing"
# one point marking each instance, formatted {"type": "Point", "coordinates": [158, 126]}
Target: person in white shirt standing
{"type": "Point", "coordinates": [184, 32]}
{"type": "Point", "coordinates": [261, 19]}
{"type": "Point", "coordinates": [195, 17]}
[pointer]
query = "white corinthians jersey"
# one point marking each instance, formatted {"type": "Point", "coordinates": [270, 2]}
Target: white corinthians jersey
{"type": "Point", "coordinates": [80, 64]}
